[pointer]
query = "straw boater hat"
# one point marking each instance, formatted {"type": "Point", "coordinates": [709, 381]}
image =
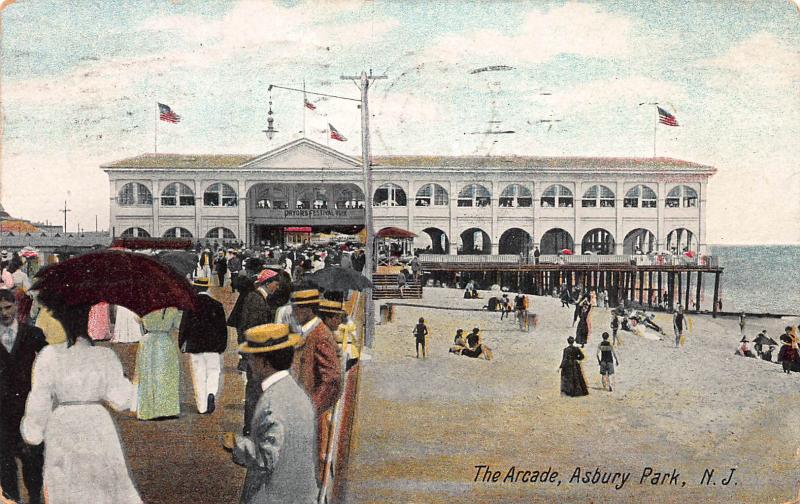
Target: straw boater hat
{"type": "Point", "coordinates": [268, 338]}
{"type": "Point", "coordinates": [304, 297]}
{"type": "Point", "coordinates": [331, 307]}
{"type": "Point", "coordinates": [201, 282]}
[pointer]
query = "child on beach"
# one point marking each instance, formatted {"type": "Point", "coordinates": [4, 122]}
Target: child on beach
{"type": "Point", "coordinates": [420, 334]}
{"type": "Point", "coordinates": [614, 329]}
{"type": "Point", "coordinates": [605, 358]}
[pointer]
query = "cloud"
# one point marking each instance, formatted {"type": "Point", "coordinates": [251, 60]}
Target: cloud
{"type": "Point", "coordinates": [761, 61]}
{"type": "Point", "coordinates": [574, 28]}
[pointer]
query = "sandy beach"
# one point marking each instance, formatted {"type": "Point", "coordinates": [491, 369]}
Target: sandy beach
{"type": "Point", "coordinates": [424, 425]}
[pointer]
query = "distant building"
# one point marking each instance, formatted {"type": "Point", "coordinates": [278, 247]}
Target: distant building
{"type": "Point", "coordinates": [455, 204]}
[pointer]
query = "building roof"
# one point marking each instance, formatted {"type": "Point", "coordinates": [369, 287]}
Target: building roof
{"type": "Point", "coordinates": [566, 163]}
{"type": "Point", "coordinates": [182, 161]}
{"type": "Point", "coordinates": [563, 162]}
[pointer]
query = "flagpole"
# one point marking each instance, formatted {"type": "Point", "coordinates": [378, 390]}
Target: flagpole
{"type": "Point", "coordinates": [155, 138]}
{"type": "Point", "coordinates": [655, 129]}
{"type": "Point", "coordinates": [304, 108]}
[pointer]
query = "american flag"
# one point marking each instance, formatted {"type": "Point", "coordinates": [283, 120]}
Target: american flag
{"type": "Point", "coordinates": [166, 114]}
{"type": "Point", "coordinates": [665, 117]}
{"type": "Point", "coordinates": [309, 105]}
{"type": "Point", "coordinates": [335, 135]}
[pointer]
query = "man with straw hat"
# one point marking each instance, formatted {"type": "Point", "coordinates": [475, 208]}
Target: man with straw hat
{"type": "Point", "coordinates": [204, 336]}
{"type": "Point", "coordinates": [279, 452]}
{"type": "Point", "coordinates": [318, 369]}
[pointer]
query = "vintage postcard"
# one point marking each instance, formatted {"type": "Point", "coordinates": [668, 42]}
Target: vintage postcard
{"type": "Point", "coordinates": [387, 251]}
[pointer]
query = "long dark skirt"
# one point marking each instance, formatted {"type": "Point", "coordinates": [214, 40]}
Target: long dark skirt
{"type": "Point", "coordinates": [582, 332]}
{"type": "Point", "coordinates": [572, 382]}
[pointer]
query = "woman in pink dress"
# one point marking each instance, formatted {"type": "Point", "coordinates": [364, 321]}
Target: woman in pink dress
{"type": "Point", "coordinates": [99, 325]}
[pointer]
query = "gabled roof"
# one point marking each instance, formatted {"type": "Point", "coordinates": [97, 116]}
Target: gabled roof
{"type": "Point", "coordinates": [181, 161]}
{"type": "Point", "coordinates": [303, 142]}
{"type": "Point", "coordinates": [563, 163]}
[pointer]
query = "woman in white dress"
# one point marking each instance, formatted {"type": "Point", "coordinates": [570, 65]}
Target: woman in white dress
{"type": "Point", "coordinates": [127, 326]}
{"type": "Point", "coordinates": [84, 462]}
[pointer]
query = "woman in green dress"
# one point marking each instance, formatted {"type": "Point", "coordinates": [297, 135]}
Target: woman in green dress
{"type": "Point", "coordinates": [158, 366]}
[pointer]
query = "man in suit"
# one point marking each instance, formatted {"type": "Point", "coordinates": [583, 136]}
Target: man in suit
{"type": "Point", "coordinates": [318, 369]}
{"type": "Point", "coordinates": [19, 345]}
{"type": "Point", "coordinates": [279, 452]}
{"type": "Point", "coordinates": [204, 335]}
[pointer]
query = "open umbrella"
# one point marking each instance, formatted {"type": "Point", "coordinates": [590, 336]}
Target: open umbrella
{"type": "Point", "coordinates": [181, 261]}
{"type": "Point", "coordinates": [135, 281]}
{"type": "Point", "coordinates": [566, 252]}
{"type": "Point", "coordinates": [337, 278]}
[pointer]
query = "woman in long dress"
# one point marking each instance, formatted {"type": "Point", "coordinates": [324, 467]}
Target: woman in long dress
{"type": "Point", "coordinates": [573, 383]}
{"type": "Point", "coordinates": [158, 366]}
{"type": "Point", "coordinates": [84, 461]}
{"type": "Point", "coordinates": [127, 326]}
{"type": "Point", "coordinates": [582, 332]}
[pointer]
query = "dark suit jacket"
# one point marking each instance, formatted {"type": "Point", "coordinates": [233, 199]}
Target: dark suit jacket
{"type": "Point", "coordinates": [15, 377]}
{"type": "Point", "coordinates": [204, 331]}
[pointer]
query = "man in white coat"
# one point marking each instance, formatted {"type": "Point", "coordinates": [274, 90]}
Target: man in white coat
{"type": "Point", "coordinates": [279, 451]}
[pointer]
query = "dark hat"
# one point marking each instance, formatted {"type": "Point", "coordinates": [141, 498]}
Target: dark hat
{"type": "Point", "coordinates": [744, 340]}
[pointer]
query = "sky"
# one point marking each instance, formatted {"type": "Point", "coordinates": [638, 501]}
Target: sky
{"type": "Point", "coordinates": [79, 83]}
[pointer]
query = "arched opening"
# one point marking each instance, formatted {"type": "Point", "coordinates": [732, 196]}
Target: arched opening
{"type": "Point", "coordinates": [221, 233]}
{"type": "Point", "coordinates": [349, 197]}
{"type": "Point", "coordinates": [516, 196]}
{"type": "Point", "coordinates": [389, 195]}
{"type": "Point", "coordinates": [598, 196]}
{"type": "Point", "coordinates": [134, 193]}
{"type": "Point", "coordinates": [135, 232]}
{"type": "Point", "coordinates": [220, 194]}
{"type": "Point", "coordinates": [515, 241]}
{"type": "Point", "coordinates": [313, 198]}
{"type": "Point", "coordinates": [598, 241]}
{"type": "Point", "coordinates": [556, 240]}
{"type": "Point", "coordinates": [271, 197]}
{"type": "Point", "coordinates": [639, 241]}
{"type": "Point", "coordinates": [474, 241]}
{"type": "Point", "coordinates": [681, 197]}
{"type": "Point", "coordinates": [681, 240]}
{"type": "Point", "coordinates": [177, 194]}
{"type": "Point", "coordinates": [640, 196]}
{"type": "Point", "coordinates": [556, 196]}
{"type": "Point", "coordinates": [474, 195]}
{"type": "Point", "coordinates": [177, 232]}
{"type": "Point", "coordinates": [432, 241]}
{"type": "Point", "coordinates": [431, 195]}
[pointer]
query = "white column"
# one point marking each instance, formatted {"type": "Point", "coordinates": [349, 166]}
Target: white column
{"type": "Point", "coordinates": [156, 207]}
{"type": "Point", "coordinates": [494, 233]}
{"type": "Point", "coordinates": [199, 187]}
{"type": "Point", "coordinates": [411, 201]}
{"type": "Point", "coordinates": [453, 192]}
{"type": "Point", "coordinates": [577, 215]}
{"type": "Point", "coordinates": [701, 215]}
{"type": "Point", "coordinates": [618, 209]}
{"type": "Point", "coordinates": [535, 213]}
{"type": "Point", "coordinates": [241, 233]}
{"type": "Point", "coordinates": [113, 208]}
{"type": "Point", "coordinates": [661, 233]}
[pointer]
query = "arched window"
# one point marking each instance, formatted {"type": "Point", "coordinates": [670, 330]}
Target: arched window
{"type": "Point", "coordinates": [556, 196]}
{"type": "Point", "coordinates": [516, 195]}
{"type": "Point", "coordinates": [598, 196]}
{"type": "Point", "coordinates": [177, 194]}
{"type": "Point", "coordinates": [350, 198]}
{"type": "Point", "coordinates": [640, 196]}
{"type": "Point", "coordinates": [681, 196]}
{"type": "Point", "coordinates": [134, 193]}
{"type": "Point", "coordinates": [272, 197]}
{"type": "Point", "coordinates": [313, 197]}
{"type": "Point", "coordinates": [221, 233]}
{"type": "Point", "coordinates": [431, 195]}
{"type": "Point", "coordinates": [389, 195]}
{"type": "Point", "coordinates": [220, 194]}
{"type": "Point", "coordinates": [474, 195]}
{"type": "Point", "coordinates": [177, 232]}
{"type": "Point", "coordinates": [135, 232]}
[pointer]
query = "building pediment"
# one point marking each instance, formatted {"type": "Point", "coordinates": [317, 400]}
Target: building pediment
{"type": "Point", "coordinates": [303, 154]}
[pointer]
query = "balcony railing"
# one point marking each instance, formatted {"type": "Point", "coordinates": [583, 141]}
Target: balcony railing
{"type": "Point", "coordinates": [588, 259]}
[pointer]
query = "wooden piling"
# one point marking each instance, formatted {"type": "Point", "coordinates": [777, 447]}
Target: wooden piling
{"type": "Point", "coordinates": [659, 289]}
{"type": "Point", "coordinates": [688, 287]}
{"type": "Point", "coordinates": [680, 290]}
{"type": "Point", "coordinates": [699, 288]}
{"type": "Point", "coordinates": [716, 294]}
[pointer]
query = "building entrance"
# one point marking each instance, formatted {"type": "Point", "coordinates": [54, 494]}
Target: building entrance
{"type": "Point", "coordinates": [296, 235]}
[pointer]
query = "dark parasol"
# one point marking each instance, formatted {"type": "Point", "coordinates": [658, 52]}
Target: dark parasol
{"type": "Point", "coordinates": [337, 278]}
{"type": "Point", "coordinates": [135, 281]}
{"type": "Point", "coordinates": [181, 261]}
{"type": "Point", "coordinates": [764, 340]}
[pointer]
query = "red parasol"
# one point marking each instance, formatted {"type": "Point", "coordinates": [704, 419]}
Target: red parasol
{"type": "Point", "coordinates": [135, 281]}
{"type": "Point", "coordinates": [689, 254]}
{"type": "Point", "coordinates": [566, 251]}
{"type": "Point", "coordinates": [394, 232]}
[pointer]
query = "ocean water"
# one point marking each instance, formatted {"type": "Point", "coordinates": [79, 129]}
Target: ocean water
{"type": "Point", "coordinates": [757, 279]}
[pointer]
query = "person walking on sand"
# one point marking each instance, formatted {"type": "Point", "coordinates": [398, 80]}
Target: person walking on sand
{"type": "Point", "coordinates": [741, 323]}
{"type": "Point", "coordinates": [788, 353]}
{"type": "Point", "coordinates": [679, 323]}
{"type": "Point", "coordinates": [420, 334]}
{"type": "Point", "coordinates": [606, 358]}
{"type": "Point", "coordinates": [614, 329]}
{"type": "Point", "coordinates": [582, 331]}
{"type": "Point", "coordinates": [573, 383]}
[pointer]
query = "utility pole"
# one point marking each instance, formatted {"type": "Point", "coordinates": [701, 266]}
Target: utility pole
{"type": "Point", "coordinates": [363, 82]}
{"type": "Point", "coordinates": [64, 211]}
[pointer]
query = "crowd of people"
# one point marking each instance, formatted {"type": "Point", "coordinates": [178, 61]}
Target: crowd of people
{"type": "Point", "coordinates": [295, 344]}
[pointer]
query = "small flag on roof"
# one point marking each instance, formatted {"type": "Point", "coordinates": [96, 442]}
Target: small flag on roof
{"type": "Point", "coordinates": [309, 105]}
{"type": "Point", "coordinates": [167, 115]}
{"type": "Point", "coordinates": [335, 135]}
{"type": "Point", "coordinates": [665, 117]}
